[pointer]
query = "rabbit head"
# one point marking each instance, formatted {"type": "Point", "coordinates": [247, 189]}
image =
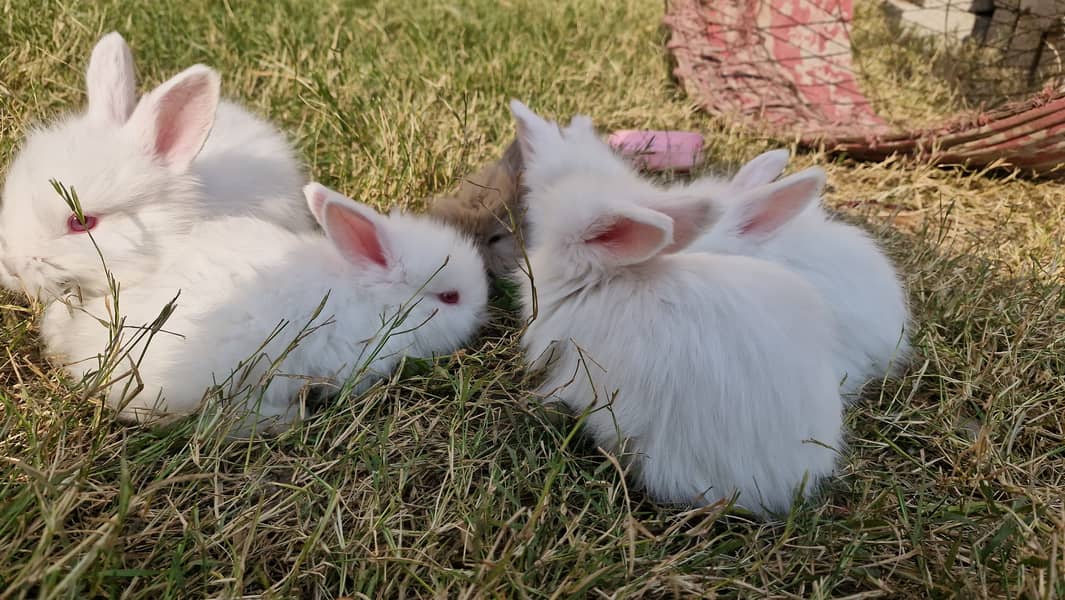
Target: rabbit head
{"type": "Point", "coordinates": [406, 260]}
{"type": "Point", "coordinates": [489, 206]}
{"type": "Point", "coordinates": [589, 212]}
{"type": "Point", "coordinates": [128, 164]}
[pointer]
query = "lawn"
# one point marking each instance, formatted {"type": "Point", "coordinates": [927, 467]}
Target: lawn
{"type": "Point", "coordinates": [448, 481]}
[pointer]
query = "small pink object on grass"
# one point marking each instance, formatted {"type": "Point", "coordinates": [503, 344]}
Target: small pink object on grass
{"type": "Point", "coordinates": [659, 150]}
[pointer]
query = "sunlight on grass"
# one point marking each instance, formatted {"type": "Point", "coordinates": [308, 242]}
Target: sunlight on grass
{"type": "Point", "coordinates": [916, 78]}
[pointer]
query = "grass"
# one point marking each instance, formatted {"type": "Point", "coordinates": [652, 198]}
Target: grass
{"type": "Point", "coordinates": [446, 481]}
{"type": "Point", "coordinates": [916, 77]}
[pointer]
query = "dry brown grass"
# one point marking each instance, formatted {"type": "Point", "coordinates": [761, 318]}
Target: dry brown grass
{"type": "Point", "coordinates": [445, 482]}
{"type": "Point", "coordinates": [916, 77]}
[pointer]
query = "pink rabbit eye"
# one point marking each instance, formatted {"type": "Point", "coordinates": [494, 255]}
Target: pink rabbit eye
{"type": "Point", "coordinates": [451, 297]}
{"type": "Point", "coordinates": [76, 226]}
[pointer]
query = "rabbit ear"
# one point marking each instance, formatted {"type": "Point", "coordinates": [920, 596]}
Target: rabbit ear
{"type": "Point", "coordinates": [761, 170]}
{"type": "Point", "coordinates": [110, 81]}
{"type": "Point", "coordinates": [352, 227]}
{"type": "Point", "coordinates": [512, 159]}
{"type": "Point", "coordinates": [535, 134]}
{"type": "Point", "coordinates": [175, 118]}
{"type": "Point", "coordinates": [316, 195]}
{"type": "Point", "coordinates": [629, 236]}
{"type": "Point", "coordinates": [767, 208]}
{"type": "Point", "coordinates": [691, 217]}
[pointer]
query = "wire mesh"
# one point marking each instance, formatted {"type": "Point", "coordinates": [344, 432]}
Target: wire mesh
{"type": "Point", "coordinates": [879, 76]}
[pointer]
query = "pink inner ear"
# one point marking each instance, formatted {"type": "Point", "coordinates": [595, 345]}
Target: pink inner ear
{"type": "Point", "coordinates": [756, 224]}
{"type": "Point", "coordinates": [767, 221]}
{"type": "Point", "coordinates": [616, 233]}
{"type": "Point", "coordinates": [768, 214]}
{"type": "Point", "coordinates": [354, 234]}
{"type": "Point", "coordinates": [178, 112]}
{"type": "Point", "coordinates": [690, 220]}
{"type": "Point", "coordinates": [183, 119]}
{"type": "Point", "coordinates": [629, 239]}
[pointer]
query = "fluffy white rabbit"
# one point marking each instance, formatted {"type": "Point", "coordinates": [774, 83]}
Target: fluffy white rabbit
{"type": "Point", "coordinates": [842, 261]}
{"type": "Point", "coordinates": [143, 172]}
{"type": "Point", "coordinates": [844, 264]}
{"type": "Point", "coordinates": [714, 371]}
{"type": "Point", "coordinates": [248, 276]}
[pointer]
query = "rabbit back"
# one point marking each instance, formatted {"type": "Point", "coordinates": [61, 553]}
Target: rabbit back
{"type": "Point", "coordinates": [248, 167]}
{"type": "Point", "coordinates": [716, 373]}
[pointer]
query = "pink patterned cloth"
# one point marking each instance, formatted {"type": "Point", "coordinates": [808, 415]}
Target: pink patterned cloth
{"type": "Point", "coordinates": [659, 150]}
{"type": "Point", "coordinates": [782, 63]}
{"type": "Point", "coordinates": [784, 67]}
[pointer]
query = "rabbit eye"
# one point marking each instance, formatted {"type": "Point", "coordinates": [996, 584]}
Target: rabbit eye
{"type": "Point", "coordinates": [495, 238]}
{"type": "Point", "coordinates": [76, 226]}
{"type": "Point", "coordinates": [449, 297]}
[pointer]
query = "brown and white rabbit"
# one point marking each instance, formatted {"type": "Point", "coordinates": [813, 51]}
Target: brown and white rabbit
{"type": "Point", "coordinates": [489, 206]}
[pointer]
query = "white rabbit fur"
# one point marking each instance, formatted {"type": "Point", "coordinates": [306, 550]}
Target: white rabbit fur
{"type": "Point", "coordinates": [716, 369]}
{"type": "Point", "coordinates": [845, 264]}
{"type": "Point", "coordinates": [149, 172]}
{"type": "Point", "coordinates": [250, 275]}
